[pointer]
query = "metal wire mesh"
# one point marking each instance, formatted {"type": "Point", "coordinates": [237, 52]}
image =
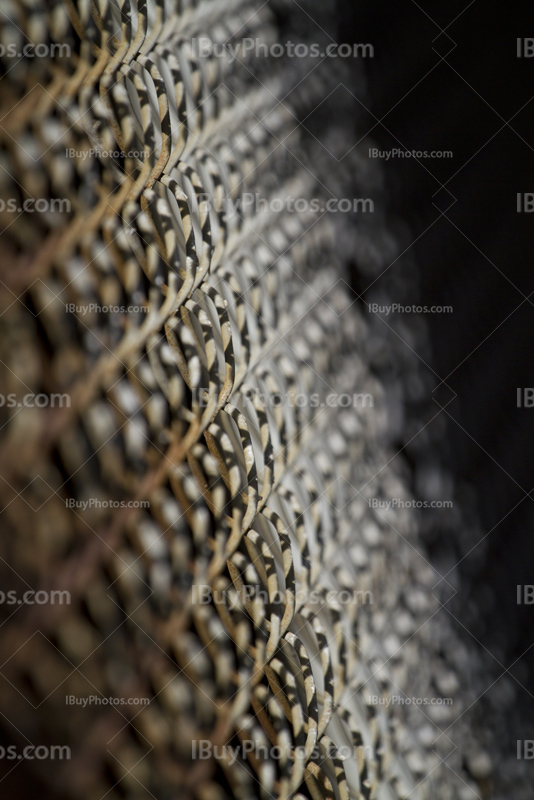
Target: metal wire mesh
{"type": "Point", "coordinates": [315, 601]}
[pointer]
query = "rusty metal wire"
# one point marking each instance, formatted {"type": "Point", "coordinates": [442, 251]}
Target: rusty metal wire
{"type": "Point", "coordinates": [265, 504]}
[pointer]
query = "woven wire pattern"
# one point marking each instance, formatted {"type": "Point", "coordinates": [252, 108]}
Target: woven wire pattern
{"type": "Point", "coordinates": [174, 405]}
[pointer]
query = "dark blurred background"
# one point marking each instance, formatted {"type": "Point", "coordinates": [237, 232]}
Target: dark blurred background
{"type": "Point", "coordinates": [447, 77]}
